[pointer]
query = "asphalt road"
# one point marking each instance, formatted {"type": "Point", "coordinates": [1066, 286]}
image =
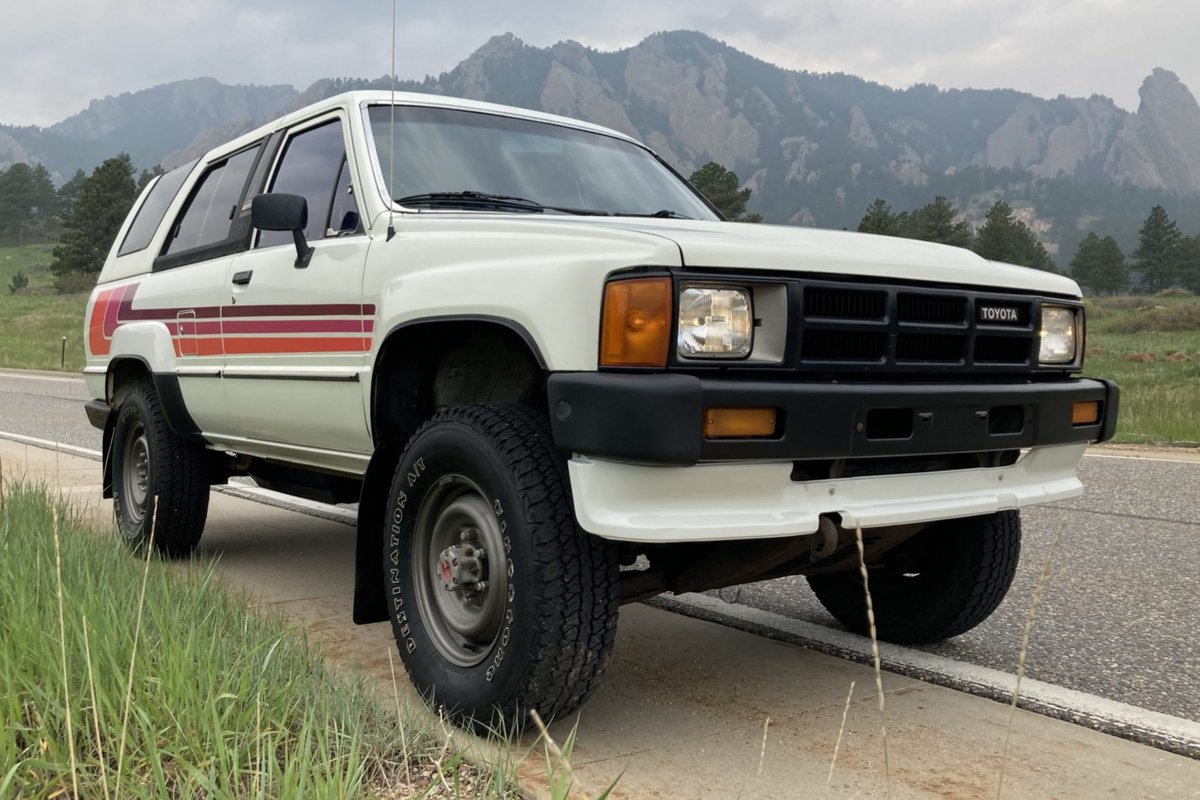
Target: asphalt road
{"type": "Point", "coordinates": [1119, 616]}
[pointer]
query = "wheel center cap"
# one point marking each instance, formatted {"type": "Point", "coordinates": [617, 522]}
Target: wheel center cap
{"type": "Point", "coordinates": [461, 567]}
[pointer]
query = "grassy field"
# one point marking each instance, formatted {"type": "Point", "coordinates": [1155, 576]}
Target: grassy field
{"type": "Point", "coordinates": [218, 702]}
{"type": "Point", "coordinates": [33, 260]}
{"type": "Point", "coordinates": [1159, 397]}
{"type": "Point", "coordinates": [33, 323]}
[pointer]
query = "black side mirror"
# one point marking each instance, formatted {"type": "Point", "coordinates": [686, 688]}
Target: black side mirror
{"type": "Point", "coordinates": [283, 212]}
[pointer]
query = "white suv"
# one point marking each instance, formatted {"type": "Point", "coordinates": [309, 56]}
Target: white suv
{"type": "Point", "coordinates": [556, 380]}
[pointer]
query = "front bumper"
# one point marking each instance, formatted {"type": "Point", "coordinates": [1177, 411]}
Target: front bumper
{"type": "Point", "coordinates": [657, 418]}
{"type": "Point", "coordinates": [712, 502]}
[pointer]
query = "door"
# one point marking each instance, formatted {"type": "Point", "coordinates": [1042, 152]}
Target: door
{"type": "Point", "coordinates": [297, 339]}
{"type": "Point", "coordinates": [186, 288]}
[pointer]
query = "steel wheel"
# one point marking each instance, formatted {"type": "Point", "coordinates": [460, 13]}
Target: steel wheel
{"type": "Point", "coordinates": [460, 570]}
{"type": "Point", "coordinates": [135, 472]}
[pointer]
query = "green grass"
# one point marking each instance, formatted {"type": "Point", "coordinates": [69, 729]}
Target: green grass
{"type": "Point", "coordinates": [34, 322]}
{"type": "Point", "coordinates": [222, 703]}
{"type": "Point", "coordinates": [32, 328]}
{"type": "Point", "coordinates": [1158, 398]}
{"type": "Point", "coordinates": [32, 259]}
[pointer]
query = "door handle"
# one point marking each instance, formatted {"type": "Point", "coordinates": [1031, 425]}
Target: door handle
{"type": "Point", "coordinates": [242, 278]}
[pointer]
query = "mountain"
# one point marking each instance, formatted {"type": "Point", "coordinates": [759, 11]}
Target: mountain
{"type": "Point", "coordinates": [148, 124]}
{"type": "Point", "coordinates": [815, 148]}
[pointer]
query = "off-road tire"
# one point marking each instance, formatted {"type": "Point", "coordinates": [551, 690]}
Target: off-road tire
{"type": "Point", "coordinates": [941, 583]}
{"type": "Point", "coordinates": [170, 499]}
{"type": "Point", "coordinates": [557, 584]}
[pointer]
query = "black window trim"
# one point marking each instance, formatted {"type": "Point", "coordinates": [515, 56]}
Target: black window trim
{"type": "Point", "coordinates": [240, 229]}
{"type": "Point", "coordinates": [324, 117]}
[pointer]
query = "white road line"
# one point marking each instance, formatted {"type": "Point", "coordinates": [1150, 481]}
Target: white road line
{"type": "Point", "coordinates": [254, 493]}
{"type": "Point", "coordinates": [35, 377]}
{"type": "Point", "coordinates": [62, 447]}
{"type": "Point", "coordinates": [1166, 732]}
{"type": "Point", "coordinates": [1143, 458]}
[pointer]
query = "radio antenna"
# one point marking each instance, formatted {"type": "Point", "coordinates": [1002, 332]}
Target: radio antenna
{"type": "Point", "coordinates": [391, 228]}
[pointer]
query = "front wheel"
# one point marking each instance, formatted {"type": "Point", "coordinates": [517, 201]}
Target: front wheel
{"type": "Point", "coordinates": [160, 480]}
{"type": "Point", "coordinates": [940, 583]}
{"type": "Point", "coordinates": [500, 603]}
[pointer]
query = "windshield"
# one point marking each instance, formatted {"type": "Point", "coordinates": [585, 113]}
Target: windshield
{"type": "Point", "coordinates": [441, 151]}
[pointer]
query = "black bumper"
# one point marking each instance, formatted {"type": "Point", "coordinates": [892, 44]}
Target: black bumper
{"type": "Point", "coordinates": [98, 413]}
{"type": "Point", "coordinates": [657, 419]}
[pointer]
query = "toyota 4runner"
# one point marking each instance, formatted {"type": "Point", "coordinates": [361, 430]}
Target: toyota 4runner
{"type": "Point", "coordinates": [555, 380]}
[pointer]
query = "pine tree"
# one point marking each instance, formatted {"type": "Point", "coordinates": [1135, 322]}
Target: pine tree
{"type": "Point", "coordinates": [1187, 257]}
{"type": "Point", "coordinates": [1156, 256]}
{"type": "Point", "coordinates": [1099, 265]}
{"type": "Point", "coordinates": [938, 222]}
{"type": "Point", "coordinates": [27, 201]}
{"type": "Point", "coordinates": [880, 219]}
{"type": "Point", "coordinates": [94, 219]}
{"type": "Point", "coordinates": [1005, 238]}
{"type": "Point", "coordinates": [720, 186]}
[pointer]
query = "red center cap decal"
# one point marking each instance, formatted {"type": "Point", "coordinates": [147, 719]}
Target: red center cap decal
{"type": "Point", "coordinates": [444, 569]}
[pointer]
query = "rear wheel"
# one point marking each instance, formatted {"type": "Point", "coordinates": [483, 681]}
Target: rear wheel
{"type": "Point", "coordinates": [500, 603]}
{"type": "Point", "coordinates": [940, 583]}
{"type": "Point", "coordinates": [160, 480]}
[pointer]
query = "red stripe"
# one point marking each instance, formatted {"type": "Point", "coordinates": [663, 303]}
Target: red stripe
{"type": "Point", "coordinates": [299, 344]}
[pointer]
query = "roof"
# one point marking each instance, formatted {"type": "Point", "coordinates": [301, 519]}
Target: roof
{"type": "Point", "coordinates": [352, 100]}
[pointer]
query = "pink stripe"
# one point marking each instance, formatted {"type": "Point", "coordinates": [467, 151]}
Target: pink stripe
{"type": "Point", "coordinates": [112, 315]}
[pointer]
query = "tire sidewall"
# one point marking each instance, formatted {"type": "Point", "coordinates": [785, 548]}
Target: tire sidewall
{"type": "Point", "coordinates": [133, 410]}
{"type": "Point", "coordinates": [494, 683]}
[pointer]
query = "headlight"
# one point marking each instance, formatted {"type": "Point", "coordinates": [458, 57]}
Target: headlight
{"type": "Point", "coordinates": [1057, 335]}
{"type": "Point", "coordinates": [715, 322]}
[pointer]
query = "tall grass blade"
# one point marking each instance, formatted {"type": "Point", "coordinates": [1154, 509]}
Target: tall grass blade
{"type": "Point", "coordinates": [1025, 635]}
{"type": "Point", "coordinates": [862, 568]}
{"type": "Point", "coordinates": [837, 745]}
{"type": "Point", "coordinates": [68, 714]}
{"type": "Point", "coordinates": [137, 632]}
{"type": "Point", "coordinates": [87, 653]}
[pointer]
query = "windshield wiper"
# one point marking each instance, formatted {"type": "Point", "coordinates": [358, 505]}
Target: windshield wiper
{"type": "Point", "coordinates": [473, 198]}
{"type": "Point", "coordinates": [664, 213]}
{"type": "Point", "coordinates": [470, 198]}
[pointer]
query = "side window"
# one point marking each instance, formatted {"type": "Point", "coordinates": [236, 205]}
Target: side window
{"type": "Point", "coordinates": [312, 167]}
{"type": "Point", "coordinates": [151, 214]}
{"type": "Point", "coordinates": [209, 214]}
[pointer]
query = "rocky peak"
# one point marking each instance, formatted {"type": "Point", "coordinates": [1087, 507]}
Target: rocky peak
{"type": "Point", "coordinates": [1160, 145]}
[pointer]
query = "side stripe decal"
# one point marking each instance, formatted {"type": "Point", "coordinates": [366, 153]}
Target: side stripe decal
{"type": "Point", "coordinates": [240, 330]}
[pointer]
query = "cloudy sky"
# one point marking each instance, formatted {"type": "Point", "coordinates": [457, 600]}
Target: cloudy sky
{"type": "Point", "coordinates": [56, 55]}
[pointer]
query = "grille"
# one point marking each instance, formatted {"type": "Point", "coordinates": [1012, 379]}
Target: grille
{"type": "Point", "coordinates": [1002, 349]}
{"type": "Point", "coordinates": [932, 309]}
{"type": "Point", "coordinates": [844, 346]}
{"type": "Point", "coordinates": [873, 328]}
{"type": "Point", "coordinates": [831, 303]}
{"type": "Point", "coordinates": [929, 347]}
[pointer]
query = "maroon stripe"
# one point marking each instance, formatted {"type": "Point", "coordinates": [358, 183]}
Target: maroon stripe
{"type": "Point", "coordinates": [332, 310]}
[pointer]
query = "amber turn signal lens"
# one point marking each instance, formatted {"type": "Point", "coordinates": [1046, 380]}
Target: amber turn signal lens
{"type": "Point", "coordinates": [739, 423]}
{"type": "Point", "coordinates": [635, 324]}
{"type": "Point", "coordinates": [1085, 412]}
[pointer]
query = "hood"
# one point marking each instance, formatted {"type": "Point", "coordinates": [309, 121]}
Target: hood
{"type": "Point", "coordinates": [737, 245]}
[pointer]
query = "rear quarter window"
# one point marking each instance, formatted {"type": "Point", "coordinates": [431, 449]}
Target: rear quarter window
{"type": "Point", "coordinates": [153, 209]}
